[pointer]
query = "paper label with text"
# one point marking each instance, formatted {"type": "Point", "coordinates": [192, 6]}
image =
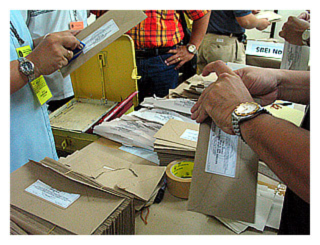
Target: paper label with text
{"type": "Point", "coordinates": [222, 153]}
{"type": "Point", "coordinates": [190, 135]}
{"type": "Point", "coordinates": [46, 192]}
{"type": "Point", "coordinates": [98, 36]}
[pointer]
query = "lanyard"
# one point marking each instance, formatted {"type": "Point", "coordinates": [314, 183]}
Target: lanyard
{"type": "Point", "coordinates": [75, 15]}
{"type": "Point", "coordinates": [16, 34]}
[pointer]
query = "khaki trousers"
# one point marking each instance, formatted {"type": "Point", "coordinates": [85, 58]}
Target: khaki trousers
{"type": "Point", "coordinates": [220, 47]}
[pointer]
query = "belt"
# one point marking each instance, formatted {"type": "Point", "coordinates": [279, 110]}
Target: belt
{"type": "Point", "coordinates": [240, 36]}
{"type": "Point", "coordinates": [150, 52]}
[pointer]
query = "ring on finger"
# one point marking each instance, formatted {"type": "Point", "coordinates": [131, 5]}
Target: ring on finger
{"type": "Point", "coordinates": [69, 55]}
{"type": "Point", "coordinates": [178, 59]}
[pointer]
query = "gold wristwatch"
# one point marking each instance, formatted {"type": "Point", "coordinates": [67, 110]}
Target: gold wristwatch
{"type": "Point", "coordinates": [244, 112]}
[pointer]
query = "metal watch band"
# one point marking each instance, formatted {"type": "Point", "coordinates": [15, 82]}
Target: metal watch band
{"type": "Point", "coordinates": [236, 121]}
{"type": "Point", "coordinates": [29, 73]}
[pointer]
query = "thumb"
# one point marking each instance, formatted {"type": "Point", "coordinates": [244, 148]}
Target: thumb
{"type": "Point", "coordinates": [217, 66]}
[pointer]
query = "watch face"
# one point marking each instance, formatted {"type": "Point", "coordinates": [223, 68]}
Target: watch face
{"type": "Point", "coordinates": [246, 109]}
{"type": "Point", "coordinates": [306, 34]}
{"type": "Point", "coordinates": [27, 68]}
{"type": "Point", "coordinates": [192, 48]}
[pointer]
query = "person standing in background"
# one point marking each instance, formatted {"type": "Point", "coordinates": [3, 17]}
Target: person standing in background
{"type": "Point", "coordinates": [225, 36]}
{"type": "Point", "coordinates": [42, 22]}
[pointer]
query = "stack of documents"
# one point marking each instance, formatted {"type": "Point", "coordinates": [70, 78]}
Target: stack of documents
{"type": "Point", "coordinates": [268, 211]}
{"type": "Point", "coordinates": [269, 15]}
{"type": "Point", "coordinates": [137, 129]}
{"type": "Point", "coordinates": [192, 87]}
{"type": "Point", "coordinates": [176, 140]}
{"type": "Point", "coordinates": [116, 171]}
{"type": "Point", "coordinates": [46, 199]}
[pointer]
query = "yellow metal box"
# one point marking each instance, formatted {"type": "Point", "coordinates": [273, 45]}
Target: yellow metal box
{"type": "Point", "coordinates": [99, 85]}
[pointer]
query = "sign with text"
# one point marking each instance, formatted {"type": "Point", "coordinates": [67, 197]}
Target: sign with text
{"type": "Point", "coordinates": [265, 49]}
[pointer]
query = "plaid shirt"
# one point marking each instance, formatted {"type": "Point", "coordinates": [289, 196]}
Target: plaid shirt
{"type": "Point", "coordinates": [161, 28]}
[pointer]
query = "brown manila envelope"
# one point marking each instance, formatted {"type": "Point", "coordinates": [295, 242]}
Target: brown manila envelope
{"type": "Point", "coordinates": [69, 204]}
{"type": "Point", "coordinates": [224, 178]}
{"type": "Point", "coordinates": [116, 170]}
{"type": "Point", "coordinates": [179, 132]}
{"type": "Point", "coordinates": [106, 29]}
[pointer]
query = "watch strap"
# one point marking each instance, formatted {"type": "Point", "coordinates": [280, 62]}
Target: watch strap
{"type": "Point", "coordinates": [237, 120]}
{"type": "Point", "coordinates": [29, 73]}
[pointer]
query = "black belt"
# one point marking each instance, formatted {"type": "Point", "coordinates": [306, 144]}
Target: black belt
{"type": "Point", "coordinates": [150, 52]}
{"type": "Point", "coordinates": [240, 36]}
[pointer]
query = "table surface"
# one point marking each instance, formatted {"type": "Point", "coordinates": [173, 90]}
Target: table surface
{"type": "Point", "coordinates": [171, 217]}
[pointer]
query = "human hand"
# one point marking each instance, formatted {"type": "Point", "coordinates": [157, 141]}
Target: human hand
{"type": "Point", "coordinates": [221, 97]}
{"type": "Point", "coordinates": [54, 52]}
{"type": "Point", "coordinates": [255, 11]}
{"type": "Point", "coordinates": [263, 24]}
{"type": "Point", "coordinates": [304, 16]}
{"type": "Point", "coordinates": [181, 56]}
{"type": "Point", "coordinates": [262, 83]}
{"type": "Point", "coordinates": [292, 30]}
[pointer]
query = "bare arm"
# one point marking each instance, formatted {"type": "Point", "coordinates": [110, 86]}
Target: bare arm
{"type": "Point", "coordinates": [181, 54]}
{"type": "Point", "coordinates": [199, 28]}
{"type": "Point", "coordinates": [250, 21]}
{"type": "Point", "coordinates": [51, 54]}
{"type": "Point", "coordinates": [284, 147]}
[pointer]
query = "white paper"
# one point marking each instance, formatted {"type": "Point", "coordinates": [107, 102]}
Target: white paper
{"type": "Point", "coordinates": [295, 57]}
{"type": "Point", "coordinates": [265, 49]}
{"type": "Point", "coordinates": [191, 135]}
{"type": "Point", "coordinates": [222, 153]}
{"type": "Point", "coordinates": [100, 35]}
{"type": "Point", "coordinates": [46, 192]}
{"type": "Point", "coordinates": [143, 153]}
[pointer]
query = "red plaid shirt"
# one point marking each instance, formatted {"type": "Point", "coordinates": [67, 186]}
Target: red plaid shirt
{"type": "Point", "coordinates": [161, 28]}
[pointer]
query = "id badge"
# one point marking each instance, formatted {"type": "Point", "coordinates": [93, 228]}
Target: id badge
{"type": "Point", "coordinates": [38, 85]}
{"type": "Point", "coordinates": [76, 25]}
{"type": "Point", "coordinates": [41, 89]}
{"type": "Point", "coordinates": [23, 51]}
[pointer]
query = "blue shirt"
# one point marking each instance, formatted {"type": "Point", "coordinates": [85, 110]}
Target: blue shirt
{"type": "Point", "coordinates": [225, 22]}
{"type": "Point", "coordinates": [30, 131]}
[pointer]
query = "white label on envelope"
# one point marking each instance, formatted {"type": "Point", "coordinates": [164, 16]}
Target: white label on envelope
{"type": "Point", "coordinates": [190, 135]}
{"type": "Point", "coordinates": [222, 153]}
{"type": "Point", "coordinates": [60, 198]}
{"type": "Point", "coordinates": [100, 35]}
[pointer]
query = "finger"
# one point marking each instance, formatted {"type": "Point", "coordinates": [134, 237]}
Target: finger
{"type": "Point", "coordinates": [172, 51]}
{"type": "Point", "coordinates": [70, 42]}
{"type": "Point", "coordinates": [172, 60]}
{"type": "Point", "coordinates": [69, 55]}
{"type": "Point", "coordinates": [220, 67]}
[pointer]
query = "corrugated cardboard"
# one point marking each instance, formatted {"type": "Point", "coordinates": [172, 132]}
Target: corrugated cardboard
{"type": "Point", "coordinates": [123, 19]}
{"type": "Point", "coordinates": [222, 196]}
{"type": "Point", "coordinates": [83, 216]}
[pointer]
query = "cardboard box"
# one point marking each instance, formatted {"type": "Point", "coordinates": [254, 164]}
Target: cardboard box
{"type": "Point", "coordinates": [35, 205]}
{"type": "Point", "coordinates": [230, 193]}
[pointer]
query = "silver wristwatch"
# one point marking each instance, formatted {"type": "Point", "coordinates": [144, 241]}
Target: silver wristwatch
{"type": "Point", "coordinates": [306, 37]}
{"type": "Point", "coordinates": [27, 68]}
{"type": "Point", "coordinates": [192, 48]}
{"type": "Point", "coordinates": [244, 112]}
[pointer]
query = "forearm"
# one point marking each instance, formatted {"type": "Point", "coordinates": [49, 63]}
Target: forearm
{"type": "Point", "coordinates": [249, 21]}
{"type": "Point", "coordinates": [17, 79]}
{"type": "Point", "coordinates": [284, 147]}
{"type": "Point", "coordinates": [294, 86]}
{"type": "Point", "coordinates": [199, 28]}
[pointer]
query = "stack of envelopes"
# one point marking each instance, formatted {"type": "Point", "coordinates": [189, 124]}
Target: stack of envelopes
{"type": "Point", "coordinates": [176, 140]}
{"type": "Point", "coordinates": [117, 171]}
{"type": "Point", "coordinates": [192, 87]}
{"type": "Point", "coordinates": [46, 198]}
